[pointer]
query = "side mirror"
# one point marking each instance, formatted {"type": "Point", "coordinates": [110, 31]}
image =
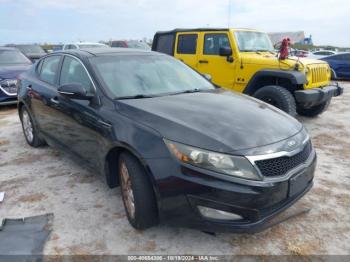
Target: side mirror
{"type": "Point", "coordinates": [226, 51]}
{"type": "Point", "coordinates": [74, 91]}
{"type": "Point", "coordinates": [207, 76]}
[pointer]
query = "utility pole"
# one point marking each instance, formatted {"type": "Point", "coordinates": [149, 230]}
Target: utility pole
{"type": "Point", "coordinates": [229, 14]}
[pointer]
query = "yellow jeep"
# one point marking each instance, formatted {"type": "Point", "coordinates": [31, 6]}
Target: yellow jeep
{"type": "Point", "coordinates": [244, 60]}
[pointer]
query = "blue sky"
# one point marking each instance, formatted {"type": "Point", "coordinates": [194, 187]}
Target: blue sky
{"type": "Point", "coordinates": [30, 21]}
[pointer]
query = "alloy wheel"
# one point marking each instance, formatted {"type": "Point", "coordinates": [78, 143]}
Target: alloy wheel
{"type": "Point", "coordinates": [128, 194]}
{"type": "Point", "coordinates": [27, 126]}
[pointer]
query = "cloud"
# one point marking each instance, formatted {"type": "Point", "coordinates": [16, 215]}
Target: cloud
{"type": "Point", "coordinates": [71, 20]}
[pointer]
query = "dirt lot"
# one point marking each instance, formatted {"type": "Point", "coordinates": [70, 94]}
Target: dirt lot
{"type": "Point", "coordinates": [89, 217]}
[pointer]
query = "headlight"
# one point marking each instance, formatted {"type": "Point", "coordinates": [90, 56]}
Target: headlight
{"type": "Point", "coordinates": [230, 165]}
{"type": "Point", "coordinates": [8, 82]}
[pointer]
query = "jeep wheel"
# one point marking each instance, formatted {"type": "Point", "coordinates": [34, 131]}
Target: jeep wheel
{"type": "Point", "coordinates": [137, 193]}
{"type": "Point", "coordinates": [278, 97]}
{"type": "Point", "coordinates": [315, 110]}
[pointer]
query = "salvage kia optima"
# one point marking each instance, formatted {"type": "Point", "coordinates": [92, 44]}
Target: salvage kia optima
{"type": "Point", "coordinates": [184, 151]}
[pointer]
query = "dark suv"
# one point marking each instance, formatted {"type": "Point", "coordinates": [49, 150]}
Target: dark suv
{"type": "Point", "coordinates": [182, 150]}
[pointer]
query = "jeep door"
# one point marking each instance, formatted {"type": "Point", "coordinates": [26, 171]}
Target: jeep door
{"type": "Point", "coordinates": [221, 68]}
{"type": "Point", "coordinates": [186, 47]}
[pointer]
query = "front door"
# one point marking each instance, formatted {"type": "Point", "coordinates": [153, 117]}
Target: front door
{"type": "Point", "coordinates": [210, 62]}
{"type": "Point", "coordinates": [76, 122]}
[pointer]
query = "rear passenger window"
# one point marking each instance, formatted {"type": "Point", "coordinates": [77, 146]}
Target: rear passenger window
{"type": "Point", "coordinates": [49, 69]}
{"type": "Point", "coordinates": [213, 42]}
{"type": "Point", "coordinates": [187, 44]}
{"type": "Point", "coordinates": [165, 44]}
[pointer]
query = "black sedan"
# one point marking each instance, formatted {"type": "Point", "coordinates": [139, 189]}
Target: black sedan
{"type": "Point", "coordinates": [184, 152]}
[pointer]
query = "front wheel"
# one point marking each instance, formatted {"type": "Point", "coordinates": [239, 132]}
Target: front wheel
{"type": "Point", "coordinates": [137, 193]}
{"type": "Point", "coordinates": [315, 110]}
{"type": "Point", "coordinates": [279, 97]}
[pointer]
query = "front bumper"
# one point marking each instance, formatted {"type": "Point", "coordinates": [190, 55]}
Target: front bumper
{"type": "Point", "coordinates": [181, 193]}
{"type": "Point", "coordinates": [315, 96]}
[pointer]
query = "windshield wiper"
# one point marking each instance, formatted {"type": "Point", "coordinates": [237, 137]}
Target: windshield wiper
{"type": "Point", "coordinates": [187, 91]}
{"type": "Point", "coordinates": [133, 97]}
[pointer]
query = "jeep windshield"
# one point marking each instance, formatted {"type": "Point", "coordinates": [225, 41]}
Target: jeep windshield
{"type": "Point", "coordinates": [147, 75]}
{"type": "Point", "coordinates": [250, 41]}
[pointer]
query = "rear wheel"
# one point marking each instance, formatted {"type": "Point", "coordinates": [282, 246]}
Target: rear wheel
{"type": "Point", "coordinates": [30, 131]}
{"type": "Point", "coordinates": [315, 110]}
{"type": "Point", "coordinates": [137, 193]}
{"type": "Point", "coordinates": [278, 97]}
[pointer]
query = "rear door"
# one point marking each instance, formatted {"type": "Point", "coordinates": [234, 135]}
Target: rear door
{"type": "Point", "coordinates": [210, 62]}
{"type": "Point", "coordinates": [43, 92]}
{"type": "Point", "coordinates": [186, 47]}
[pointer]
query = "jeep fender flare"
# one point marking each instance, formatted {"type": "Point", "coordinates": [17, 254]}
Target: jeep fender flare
{"type": "Point", "coordinates": [295, 77]}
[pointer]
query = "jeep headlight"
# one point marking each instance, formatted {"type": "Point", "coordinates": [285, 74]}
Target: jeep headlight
{"type": "Point", "coordinates": [222, 163]}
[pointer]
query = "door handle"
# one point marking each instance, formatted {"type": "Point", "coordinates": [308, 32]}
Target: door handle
{"type": "Point", "coordinates": [203, 61]}
{"type": "Point", "coordinates": [29, 88]}
{"type": "Point", "coordinates": [54, 100]}
{"type": "Point", "coordinates": [103, 123]}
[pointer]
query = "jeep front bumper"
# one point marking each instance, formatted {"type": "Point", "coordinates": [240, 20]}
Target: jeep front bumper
{"type": "Point", "coordinates": [316, 96]}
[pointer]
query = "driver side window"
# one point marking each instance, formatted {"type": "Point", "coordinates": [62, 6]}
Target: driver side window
{"type": "Point", "coordinates": [74, 72]}
{"type": "Point", "coordinates": [213, 42]}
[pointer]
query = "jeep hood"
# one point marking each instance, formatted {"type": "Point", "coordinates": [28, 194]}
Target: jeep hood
{"type": "Point", "coordinates": [218, 120]}
{"type": "Point", "coordinates": [270, 60]}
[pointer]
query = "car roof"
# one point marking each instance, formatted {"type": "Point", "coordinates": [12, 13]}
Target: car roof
{"type": "Point", "coordinates": [90, 52]}
{"type": "Point", "coordinates": [203, 29]}
{"type": "Point", "coordinates": [8, 48]}
{"type": "Point", "coordinates": [85, 43]}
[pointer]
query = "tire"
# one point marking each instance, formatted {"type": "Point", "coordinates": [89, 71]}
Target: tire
{"type": "Point", "coordinates": [333, 75]}
{"type": "Point", "coordinates": [30, 130]}
{"type": "Point", "coordinates": [278, 97]}
{"type": "Point", "coordinates": [144, 214]}
{"type": "Point", "coordinates": [315, 110]}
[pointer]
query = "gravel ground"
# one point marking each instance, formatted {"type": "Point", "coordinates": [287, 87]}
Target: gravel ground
{"type": "Point", "coordinates": [89, 217]}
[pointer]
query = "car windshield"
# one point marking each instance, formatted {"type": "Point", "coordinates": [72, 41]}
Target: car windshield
{"type": "Point", "coordinates": [250, 41]}
{"type": "Point", "coordinates": [31, 49]}
{"type": "Point", "coordinates": [147, 75]}
{"type": "Point", "coordinates": [91, 46]}
{"type": "Point", "coordinates": [138, 45]}
{"type": "Point", "coordinates": [10, 57]}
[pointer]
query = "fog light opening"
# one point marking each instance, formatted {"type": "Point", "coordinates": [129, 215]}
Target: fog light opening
{"type": "Point", "coordinates": [218, 214]}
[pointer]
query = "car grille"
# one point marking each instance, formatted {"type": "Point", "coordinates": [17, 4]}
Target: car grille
{"type": "Point", "coordinates": [319, 74]}
{"type": "Point", "coordinates": [9, 87]}
{"type": "Point", "coordinates": [281, 165]}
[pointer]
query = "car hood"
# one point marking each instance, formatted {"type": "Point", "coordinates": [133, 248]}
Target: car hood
{"type": "Point", "coordinates": [221, 121]}
{"type": "Point", "coordinates": [12, 71]}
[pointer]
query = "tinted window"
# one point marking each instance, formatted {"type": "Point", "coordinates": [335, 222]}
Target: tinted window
{"type": "Point", "coordinates": [341, 57]}
{"type": "Point", "coordinates": [187, 44]}
{"type": "Point", "coordinates": [165, 44]}
{"type": "Point", "coordinates": [31, 49]}
{"type": "Point", "coordinates": [118, 44]}
{"type": "Point", "coordinates": [213, 42]}
{"type": "Point", "coordinates": [49, 69]}
{"type": "Point", "coordinates": [74, 72]}
{"type": "Point", "coordinates": [13, 57]}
